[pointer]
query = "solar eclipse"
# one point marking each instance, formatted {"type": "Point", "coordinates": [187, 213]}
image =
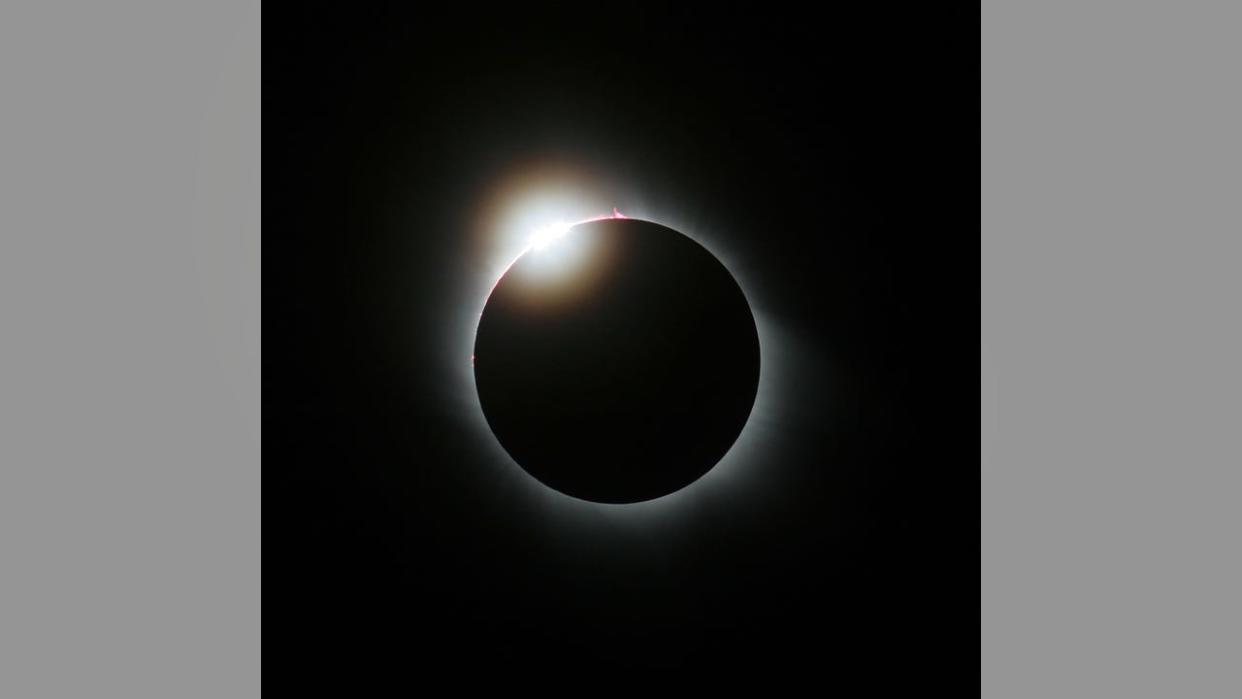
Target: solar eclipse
{"type": "Point", "coordinates": [616, 360]}
{"type": "Point", "coordinates": [429, 510]}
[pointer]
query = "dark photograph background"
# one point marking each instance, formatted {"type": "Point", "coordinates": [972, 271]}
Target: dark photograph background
{"type": "Point", "coordinates": [831, 162]}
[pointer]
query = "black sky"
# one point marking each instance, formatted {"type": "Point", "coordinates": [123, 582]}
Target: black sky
{"type": "Point", "coordinates": [840, 152]}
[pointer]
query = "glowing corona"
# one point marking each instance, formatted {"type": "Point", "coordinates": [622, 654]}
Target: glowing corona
{"type": "Point", "coordinates": [519, 223]}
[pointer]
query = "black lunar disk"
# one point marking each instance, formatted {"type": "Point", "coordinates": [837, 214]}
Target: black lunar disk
{"type": "Point", "coordinates": [618, 362]}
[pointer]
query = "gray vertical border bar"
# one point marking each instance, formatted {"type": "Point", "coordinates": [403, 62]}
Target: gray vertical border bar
{"type": "Point", "coordinates": [1111, 339]}
{"type": "Point", "coordinates": [129, 348]}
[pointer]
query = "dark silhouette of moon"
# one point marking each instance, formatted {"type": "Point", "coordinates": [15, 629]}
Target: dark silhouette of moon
{"type": "Point", "coordinates": [618, 363]}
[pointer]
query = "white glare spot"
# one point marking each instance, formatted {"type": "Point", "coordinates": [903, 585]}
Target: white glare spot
{"type": "Point", "coordinates": [544, 236]}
